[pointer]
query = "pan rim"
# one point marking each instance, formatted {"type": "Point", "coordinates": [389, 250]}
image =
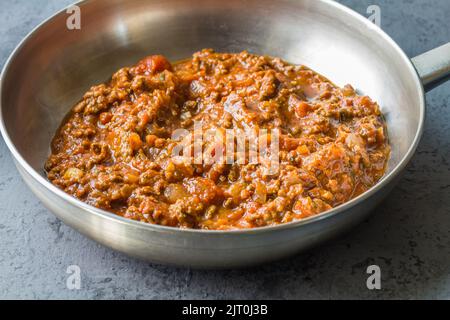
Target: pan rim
{"type": "Point", "coordinates": [20, 161]}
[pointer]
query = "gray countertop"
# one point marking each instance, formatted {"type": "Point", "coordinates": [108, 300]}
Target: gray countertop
{"type": "Point", "coordinates": [408, 236]}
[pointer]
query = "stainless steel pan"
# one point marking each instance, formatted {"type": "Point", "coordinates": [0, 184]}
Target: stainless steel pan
{"type": "Point", "coordinates": [53, 66]}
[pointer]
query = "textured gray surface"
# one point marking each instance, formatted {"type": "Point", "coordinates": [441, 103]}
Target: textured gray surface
{"type": "Point", "coordinates": [408, 236]}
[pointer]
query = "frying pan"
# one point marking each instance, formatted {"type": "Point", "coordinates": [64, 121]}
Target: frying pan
{"type": "Point", "coordinates": [53, 66]}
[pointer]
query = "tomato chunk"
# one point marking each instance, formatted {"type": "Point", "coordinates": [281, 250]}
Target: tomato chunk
{"type": "Point", "coordinates": [153, 64]}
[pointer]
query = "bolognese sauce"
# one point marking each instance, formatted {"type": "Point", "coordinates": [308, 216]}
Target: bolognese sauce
{"type": "Point", "coordinates": [114, 150]}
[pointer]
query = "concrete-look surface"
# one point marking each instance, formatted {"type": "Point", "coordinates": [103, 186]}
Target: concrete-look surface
{"type": "Point", "coordinates": [408, 236]}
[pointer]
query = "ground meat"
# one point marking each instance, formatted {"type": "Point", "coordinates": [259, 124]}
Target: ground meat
{"type": "Point", "coordinates": [115, 149]}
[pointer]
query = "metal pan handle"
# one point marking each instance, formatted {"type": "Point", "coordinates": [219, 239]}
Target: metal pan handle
{"type": "Point", "coordinates": [433, 66]}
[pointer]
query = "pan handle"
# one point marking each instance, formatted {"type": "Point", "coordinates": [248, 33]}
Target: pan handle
{"type": "Point", "coordinates": [433, 66]}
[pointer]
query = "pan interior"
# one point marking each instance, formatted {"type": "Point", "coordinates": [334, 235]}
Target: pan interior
{"type": "Point", "coordinates": [55, 65]}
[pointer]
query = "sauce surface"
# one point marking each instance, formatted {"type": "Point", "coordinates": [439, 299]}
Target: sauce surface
{"type": "Point", "coordinates": [115, 149]}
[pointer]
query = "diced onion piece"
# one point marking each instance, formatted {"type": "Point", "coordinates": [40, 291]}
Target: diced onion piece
{"type": "Point", "coordinates": [260, 195]}
{"type": "Point", "coordinates": [173, 192]}
{"type": "Point", "coordinates": [73, 174]}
